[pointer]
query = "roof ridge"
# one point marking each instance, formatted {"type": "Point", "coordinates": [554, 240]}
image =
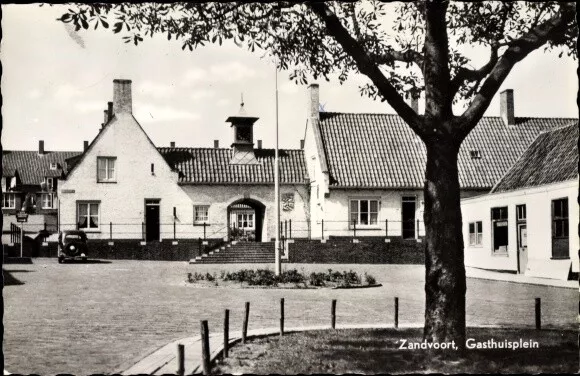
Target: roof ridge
{"type": "Point", "coordinates": [492, 116]}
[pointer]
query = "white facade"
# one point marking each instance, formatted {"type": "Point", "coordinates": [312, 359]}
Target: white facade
{"type": "Point", "coordinates": [140, 173]}
{"type": "Point", "coordinates": [537, 259]}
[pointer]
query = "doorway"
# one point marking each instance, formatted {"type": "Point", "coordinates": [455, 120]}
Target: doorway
{"type": "Point", "coordinates": [246, 220]}
{"type": "Point", "coordinates": [152, 220]}
{"type": "Point", "coordinates": [409, 207]}
{"type": "Point", "coordinates": [522, 248]}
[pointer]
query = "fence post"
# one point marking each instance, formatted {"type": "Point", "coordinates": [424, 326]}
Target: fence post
{"type": "Point", "coordinates": [199, 246]}
{"type": "Point", "coordinates": [309, 233]}
{"type": "Point", "coordinates": [45, 226]}
{"type": "Point", "coordinates": [110, 230]}
{"type": "Point", "coordinates": [322, 228]}
{"type": "Point", "coordinates": [281, 317]}
{"type": "Point", "coordinates": [538, 313]}
{"type": "Point", "coordinates": [205, 348]}
{"type": "Point", "coordinates": [245, 323]}
{"type": "Point", "coordinates": [180, 359]}
{"type": "Point", "coordinates": [396, 312]}
{"type": "Point", "coordinates": [333, 314]}
{"type": "Point", "coordinates": [204, 224]}
{"type": "Point", "coordinates": [354, 227]}
{"type": "Point", "coordinates": [226, 334]}
{"type": "Point", "coordinates": [285, 229]}
{"type": "Point", "coordinates": [143, 231]}
{"type": "Point", "coordinates": [386, 228]}
{"type": "Point", "coordinates": [290, 223]}
{"type": "Point", "coordinates": [173, 228]}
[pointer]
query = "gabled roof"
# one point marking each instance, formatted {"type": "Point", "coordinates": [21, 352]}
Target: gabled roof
{"type": "Point", "coordinates": [212, 166]}
{"type": "Point", "coordinates": [33, 167]}
{"type": "Point", "coordinates": [381, 150]}
{"type": "Point", "coordinates": [551, 158]}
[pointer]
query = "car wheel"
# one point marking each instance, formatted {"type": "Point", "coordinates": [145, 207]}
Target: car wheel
{"type": "Point", "coordinates": [60, 260]}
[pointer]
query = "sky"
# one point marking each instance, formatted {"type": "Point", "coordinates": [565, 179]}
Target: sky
{"type": "Point", "coordinates": [56, 84]}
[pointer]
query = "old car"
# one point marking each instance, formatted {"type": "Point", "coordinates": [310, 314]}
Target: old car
{"type": "Point", "coordinates": [72, 245]}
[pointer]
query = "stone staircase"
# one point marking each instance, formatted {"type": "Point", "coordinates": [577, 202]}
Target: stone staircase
{"type": "Point", "coordinates": [238, 253]}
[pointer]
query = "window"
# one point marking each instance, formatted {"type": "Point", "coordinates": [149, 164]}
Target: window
{"type": "Point", "coordinates": [499, 220]}
{"type": "Point", "coordinates": [200, 213]}
{"type": "Point", "coordinates": [53, 166]}
{"type": "Point", "coordinates": [88, 215]}
{"type": "Point", "coordinates": [364, 212]}
{"type": "Point", "coordinates": [560, 218]}
{"type": "Point", "coordinates": [47, 201]}
{"type": "Point", "coordinates": [521, 213]}
{"type": "Point", "coordinates": [245, 220]}
{"type": "Point", "coordinates": [475, 233]}
{"type": "Point", "coordinates": [8, 200]}
{"type": "Point", "coordinates": [560, 229]}
{"type": "Point", "coordinates": [49, 184]}
{"type": "Point", "coordinates": [106, 169]}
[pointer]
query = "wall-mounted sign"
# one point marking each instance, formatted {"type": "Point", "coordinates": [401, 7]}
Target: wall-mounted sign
{"type": "Point", "coordinates": [22, 217]}
{"type": "Point", "coordinates": [288, 201]}
{"type": "Point", "coordinates": [67, 191]}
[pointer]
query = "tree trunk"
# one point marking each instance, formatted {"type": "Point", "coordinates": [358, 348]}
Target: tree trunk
{"type": "Point", "coordinates": [445, 284]}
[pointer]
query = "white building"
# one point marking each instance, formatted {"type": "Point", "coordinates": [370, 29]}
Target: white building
{"type": "Point", "coordinates": [367, 170]}
{"type": "Point", "coordinates": [528, 223]}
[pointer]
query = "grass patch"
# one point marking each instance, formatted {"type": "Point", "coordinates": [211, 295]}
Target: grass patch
{"type": "Point", "coordinates": [267, 278]}
{"type": "Point", "coordinates": [367, 351]}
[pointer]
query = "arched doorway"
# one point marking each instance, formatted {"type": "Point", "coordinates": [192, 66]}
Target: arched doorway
{"type": "Point", "coordinates": [246, 220]}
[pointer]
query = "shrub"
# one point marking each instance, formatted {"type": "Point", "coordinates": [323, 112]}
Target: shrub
{"type": "Point", "coordinates": [316, 279]}
{"type": "Point", "coordinates": [192, 278]}
{"type": "Point", "coordinates": [370, 280]}
{"type": "Point", "coordinates": [291, 276]}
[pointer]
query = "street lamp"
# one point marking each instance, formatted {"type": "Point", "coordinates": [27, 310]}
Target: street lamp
{"type": "Point", "coordinates": [277, 259]}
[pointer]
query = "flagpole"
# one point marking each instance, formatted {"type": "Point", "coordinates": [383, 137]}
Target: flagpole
{"type": "Point", "coordinates": [277, 259]}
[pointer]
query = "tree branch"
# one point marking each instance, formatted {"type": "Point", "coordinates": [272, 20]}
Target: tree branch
{"type": "Point", "coordinates": [408, 56]}
{"type": "Point", "coordinates": [466, 74]}
{"type": "Point", "coordinates": [368, 67]}
{"type": "Point", "coordinates": [518, 49]}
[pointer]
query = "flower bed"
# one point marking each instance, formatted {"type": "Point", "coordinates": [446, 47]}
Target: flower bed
{"type": "Point", "coordinates": [287, 279]}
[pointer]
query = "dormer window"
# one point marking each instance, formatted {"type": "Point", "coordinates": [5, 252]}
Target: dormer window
{"type": "Point", "coordinates": [475, 154]}
{"type": "Point", "coordinates": [49, 183]}
{"type": "Point", "coordinates": [53, 166]}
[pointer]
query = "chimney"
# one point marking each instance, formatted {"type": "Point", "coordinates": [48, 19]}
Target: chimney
{"type": "Point", "coordinates": [85, 145]}
{"type": "Point", "coordinates": [122, 102]}
{"type": "Point", "coordinates": [109, 111]}
{"type": "Point", "coordinates": [172, 144]}
{"type": "Point", "coordinates": [216, 144]}
{"type": "Point", "coordinates": [259, 144]}
{"type": "Point", "coordinates": [301, 144]}
{"type": "Point", "coordinates": [105, 117]}
{"type": "Point", "coordinates": [506, 107]}
{"type": "Point", "coordinates": [41, 147]}
{"type": "Point", "coordinates": [314, 102]}
{"type": "Point", "coordinates": [414, 104]}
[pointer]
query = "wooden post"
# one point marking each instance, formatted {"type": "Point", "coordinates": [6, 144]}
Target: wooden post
{"type": "Point", "coordinates": [354, 227]}
{"type": "Point", "coordinates": [290, 224]}
{"type": "Point", "coordinates": [204, 224]}
{"type": "Point", "coordinates": [205, 366]}
{"type": "Point", "coordinates": [333, 314]}
{"type": "Point", "coordinates": [173, 228]}
{"type": "Point", "coordinates": [226, 334]}
{"type": "Point", "coordinates": [322, 228]}
{"type": "Point", "coordinates": [386, 228]}
{"type": "Point", "coordinates": [199, 246]}
{"type": "Point", "coordinates": [245, 323]}
{"type": "Point", "coordinates": [281, 317]}
{"type": "Point", "coordinates": [180, 359]}
{"type": "Point", "coordinates": [45, 226]}
{"type": "Point", "coordinates": [538, 313]}
{"type": "Point", "coordinates": [309, 233]}
{"type": "Point", "coordinates": [143, 231]}
{"type": "Point", "coordinates": [110, 230]}
{"type": "Point", "coordinates": [22, 240]}
{"type": "Point", "coordinates": [396, 312]}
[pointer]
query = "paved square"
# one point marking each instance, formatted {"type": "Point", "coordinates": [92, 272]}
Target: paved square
{"type": "Point", "coordinates": [103, 317]}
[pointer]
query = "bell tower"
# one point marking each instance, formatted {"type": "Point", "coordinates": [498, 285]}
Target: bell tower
{"type": "Point", "coordinates": [243, 131]}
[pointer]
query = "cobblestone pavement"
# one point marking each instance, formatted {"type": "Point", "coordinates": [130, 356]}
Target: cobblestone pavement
{"type": "Point", "coordinates": [103, 317]}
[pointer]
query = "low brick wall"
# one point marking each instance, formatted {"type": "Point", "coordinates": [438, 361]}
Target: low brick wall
{"type": "Point", "coordinates": [131, 249]}
{"type": "Point", "coordinates": [367, 251]}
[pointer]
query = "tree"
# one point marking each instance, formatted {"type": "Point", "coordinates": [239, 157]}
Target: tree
{"type": "Point", "coordinates": [421, 52]}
